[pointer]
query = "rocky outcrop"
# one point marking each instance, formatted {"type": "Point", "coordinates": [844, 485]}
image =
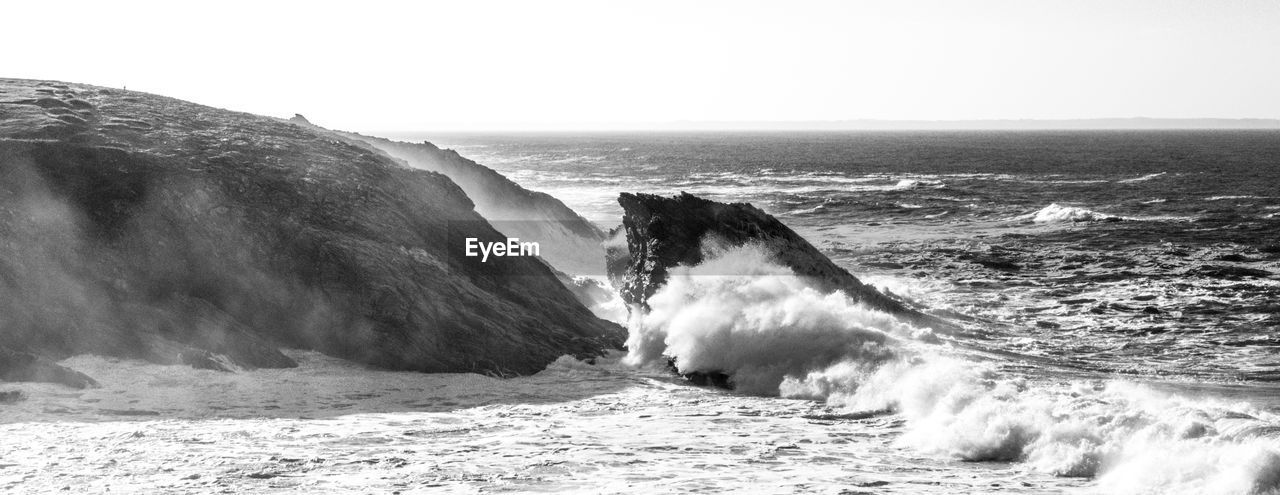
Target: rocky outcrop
{"type": "Point", "coordinates": [26, 367]}
{"type": "Point", "coordinates": [141, 226]}
{"type": "Point", "coordinates": [665, 232]}
{"type": "Point", "coordinates": [570, 242]}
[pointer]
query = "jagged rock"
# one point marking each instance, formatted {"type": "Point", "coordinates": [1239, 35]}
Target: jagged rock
{"type": "Point", "coordinates": [663, 233]}
{"type": "Point", "coordinates": [154, 218]}
{"type": "Point", "coordinates": [204, 360]}
{"type": "Point", "coordinates": [18, 366]}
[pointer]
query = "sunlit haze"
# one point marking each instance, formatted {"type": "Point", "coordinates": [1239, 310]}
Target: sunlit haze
{"type": "Point", "coordinates": [375, 66]}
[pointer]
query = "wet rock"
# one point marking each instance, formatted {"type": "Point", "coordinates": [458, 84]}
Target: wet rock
{"type": "Point", "coordinates": [204, 360]}
{"type": "Point", "coordinates": [665, 232]}
{"type": "Point", "coordinates": [18, 366]}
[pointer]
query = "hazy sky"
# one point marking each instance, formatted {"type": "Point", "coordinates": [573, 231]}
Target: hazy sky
{"type": "Point", "coordinates": [374, 65]}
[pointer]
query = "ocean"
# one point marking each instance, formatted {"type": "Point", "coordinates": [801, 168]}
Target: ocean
{"type": "Point", "coordinates": [1129, 252]}
{"type": "Point", "coordinates": [1128, 263]}
{"type": "Point", "coordinates": [1116, 293]}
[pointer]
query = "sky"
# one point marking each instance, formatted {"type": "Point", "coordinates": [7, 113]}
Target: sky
{"type": "Point", "coordinates": [375, 65]}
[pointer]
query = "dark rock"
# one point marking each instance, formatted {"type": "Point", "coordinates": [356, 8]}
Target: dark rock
{"type": "Point", "coordinates": [1143, 297]}
{"type": "Point", "coordinates": [18, 366]}
{"type": "Point", "coordinates": [204, 360]}
{"type": "Point", "coordinates": [1047, 324]}
{"type": "Point", "coordinates": [12, 397]}
{"type": "Point", "coordinates": [1233, 257]}
{"type": "Point", "coordinates": [235, 234]}
{"type": "Point", "coordinates": [663, 233]}
{"type": "Point", "coordinates": [1151, 310]}
{"type": "Point", "coordinates": [1072, 302]}
{"type": "Point", "coordinates": [703, 379]}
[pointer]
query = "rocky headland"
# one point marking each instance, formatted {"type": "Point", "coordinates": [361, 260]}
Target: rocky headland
{"type": "Point", "coordinates": [140, 226]}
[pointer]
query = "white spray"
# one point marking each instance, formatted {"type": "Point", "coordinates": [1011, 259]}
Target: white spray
{"type": "Point", "coordinates": [743, 315]}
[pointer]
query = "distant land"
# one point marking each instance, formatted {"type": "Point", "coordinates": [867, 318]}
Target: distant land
{"type": "Point", "coordinates": [1130, 123]}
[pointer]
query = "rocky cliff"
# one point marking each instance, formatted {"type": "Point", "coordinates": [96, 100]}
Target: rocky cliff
{"type": "Point", "coordinates": [665, 232]}
{"type": "Point", "coordinates": [572, 243]}
{"type": "Point", "coordinates": [142, 226]}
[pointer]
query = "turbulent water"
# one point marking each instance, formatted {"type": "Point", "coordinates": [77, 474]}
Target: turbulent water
{"type": "Point", "coordinates": [1118, 289]}
{"type": "Point", "coordinates": [1117, 293]}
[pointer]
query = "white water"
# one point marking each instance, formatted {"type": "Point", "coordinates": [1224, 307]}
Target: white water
{"type": "Point", "coordinates": [777, 336]}
{"type": "Point", "coordinates": [332, 427]}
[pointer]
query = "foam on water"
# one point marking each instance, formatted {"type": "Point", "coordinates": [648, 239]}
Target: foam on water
{"type": "Point", "coordinates": [775, 335]}
{"type": "Point", "coordinates": [1055, 213]}
{"type": "Point", "coordinates": [1143, 178]}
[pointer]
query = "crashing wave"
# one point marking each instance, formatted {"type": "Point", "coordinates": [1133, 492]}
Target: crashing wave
{"type": "Point", "coordinates": [776, 336]}
{"type": "Point", "coordinates": [916, 184]}
{"type": "Point", "coordinates": [1056, 213]}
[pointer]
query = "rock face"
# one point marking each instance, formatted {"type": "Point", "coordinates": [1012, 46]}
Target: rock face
{"type": "Point", "coordinates": [26, 367]}
{"type": "Point", "coordinates": [570, 243]}
{"type": "Point", "coordinates": [140, 226]}
{"type": "Point", "coordinates": [663, 233]}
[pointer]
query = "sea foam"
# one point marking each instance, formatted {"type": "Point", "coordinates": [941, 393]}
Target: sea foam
{"type": "Point", "coordinates": [776, 335]}
{"type": "Point", "coordinates": [1055, 213]}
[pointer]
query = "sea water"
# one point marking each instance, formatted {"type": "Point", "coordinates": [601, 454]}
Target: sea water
{"type": "Point", "coordinates": [1115, 292]}
{"type": "Point", "coordinates": [1118, 289]}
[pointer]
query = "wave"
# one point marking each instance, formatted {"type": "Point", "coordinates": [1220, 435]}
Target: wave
{"type": "Point", "coordinates": [1056, 213]}
{"type": "Point", "coordinates": [774, 335]}
{"type": "Point", "coordinates": [916, 184]}
{"type": "Point", "coordinates": [807, 211]}
{"type": "Point", "coordinates": [1223, 198]}
{"type": "Point", "coordinates": [1141, 179]}
{"type": "Point", "coordinates": [759, 325]}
